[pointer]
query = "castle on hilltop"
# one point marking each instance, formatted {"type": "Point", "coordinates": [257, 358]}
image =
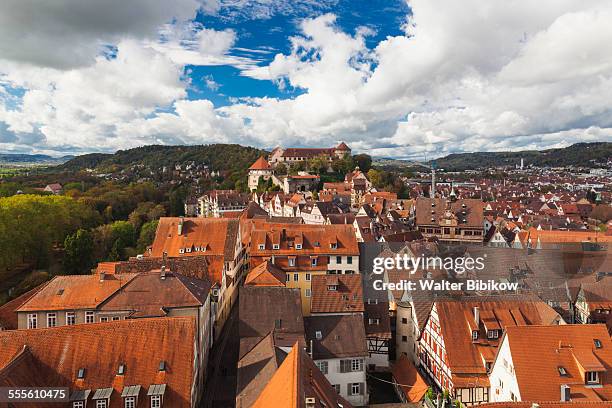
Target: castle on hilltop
{"type": "Point", "coordinates": [265, 169]}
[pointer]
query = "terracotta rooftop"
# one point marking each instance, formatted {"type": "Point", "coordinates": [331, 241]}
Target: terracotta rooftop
{"type": "Point", "coordinates": [340, 336]}
{"type": "Point", "coordinates": [140, 345]}
{"type": "Point", "coordinates": [408, 378]}
{"type": "Point", "coordinates": [265, 274]}
{"type": "Point", "coordinates": [296, 379]}
{"type": "Point", "coordinates": [148, 295]}
{"type": "Point", "coordinates": [8, 311]}
{"type": "Point", "coordinates": [260, 164]}
{"type": "Point", "coordinates": [75, 292]}
{"type": "Point", "coordinates": [336, 294]}
{"type": "Point", "coordinates": [539, 351]}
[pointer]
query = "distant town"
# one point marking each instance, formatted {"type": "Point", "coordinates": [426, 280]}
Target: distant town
{"type": "Point", "coordinates": [227, 276]}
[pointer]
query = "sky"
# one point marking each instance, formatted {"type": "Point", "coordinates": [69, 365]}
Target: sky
{"type": "Point", "coordinates": [413, 79]}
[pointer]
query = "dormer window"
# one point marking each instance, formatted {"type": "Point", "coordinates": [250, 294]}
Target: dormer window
{"type": "Point", "coordinates": [278, 323]}
{"type": "Point", "coordinates": [597, 343]}
{"type": "Point", "coordinates": [474, 335]}
{"type": "Point", "coordinates": [262, 247]}
{"type": "Point", "coordinates": [562, 371]}
{"type": "Point", "coordinates": [298, 246]}
{"type": "Point", "coordinates": [181, 251]}
{"type": "Point", "coordinates": [374, 321]}
{"type": "Point", "coordinates": [292, 261]}
{"type": "Point", "coordinates": [81, 373]}
{"type": "Point", "coordinates": [313, 261]}
{"type": "Point", "coordinates": [275, 246]}
{"type": "Point", "coordinates": [318, 335]}
{"type": "Point", "coordinates": [592, 377]}
{"type": "Point", "coordinates": [332, 288]}
{"type": "Point", "coordinates": [121, 370]}
{"type": "Point", "coordinates": [188, 250]}
{"type": "Point", "coordinates": [333, 245]}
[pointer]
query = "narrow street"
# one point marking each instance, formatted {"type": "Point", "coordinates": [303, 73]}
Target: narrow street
{"type": "Point", "coordinates": [220, 389]}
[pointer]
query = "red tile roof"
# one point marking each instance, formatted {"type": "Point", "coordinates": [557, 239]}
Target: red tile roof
{"type": "Point", "coordinates": [409, 380]}
{"type": "Point", "coordinates": [347, 296]}
{"type": "Point", "coordinates": [538, 352]}
{"type": "Point", "coordinates": [8, 311]}
{"type": "Point", "coordinates": [70, 292]}
{"type": "Point", "coordinates": [100, 348]}
{"type": "Point", "coordinates": [296, 379]}
{"type": "Point", "coordinates": [260, 164]}
{"type": "Point", "coordinates": [265, 274]}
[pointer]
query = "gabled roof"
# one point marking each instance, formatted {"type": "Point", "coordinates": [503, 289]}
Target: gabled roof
{"type": "Point", "coordinates": [100, 348]}
{"type": "Point", "coordinates": [198, 236]}
{"type": "Point", "coordinates": [538, 352]}
{"type": "Point", "coordinates": [8, 311]}
{"type": "Point", "coordinates": [260, 164]}
{"type": "Point", "coordinates": [346, 296]}
{"type": "Point", "coordinates": [409, 380]}
{"type": "Point", "coordinates": [69, 292]}
{"type": "Point", "coordinates": [255, 370]}
{"type": "Point", "coordinates": [296, 379]}
{"type": "Point", "coordinates": [148, 295]}
{"type": "Point", "coordinates": [341, 336]}
{"type": "Point", "coordinates": [342, 146]}
{"type": "Point", "coordinates": [265, 274]}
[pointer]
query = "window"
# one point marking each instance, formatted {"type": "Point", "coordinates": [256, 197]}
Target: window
{"type": "Point", "coordinates": [318, 335]}
{"type": "Point", "coordinates": [404, 320]}
{"type": "Point", "coordinates": [592, 377]}
{"type": "Point", "coordinates": [101, 403]}
{"type": "Point", "coordinates": [338, 259]}
{"type": "Point", "coordinates": [597, 343]}
{"type": "Point", "coordinates": [323, 366]}
{"type": "Point", "coordinates": [313, 261]}
{"type": "Point", "coordinates": [349, 260]}
{"type": "Point", "coordinates": [337, 388]}
{"type": "Point", "coordinates": [296, 277]}
{"type": "Point", "coordinates": [356, 364]}
{"type": "Point", "coordinates": [333, 245]}
{"type": "Point", "coordinates": [298, 246]}
{"type": "Point", "coordinates": [275, 246]}
{"type": "Point", "coordinates": [77, 404]}
{"type": "Point", "coordinates": [89, 317]}
{"type": "Point", "coordinates": [32, 321]}
{"type": "Point", "coordinates": [104, 319]}
{"type": "Point", "coordinates": [492, 334]}
{"type": "Point", "coordinates": [404, 339]}
{"type": "Point", "coordinates": [474, 334]}
{"type": "Point", "coordinates": [155, 401]}
{"type": "Point", "coordinates": [288, 277]}
{"type": "Point", "coordinates": [278, 323]}
{"type": "Point", "coordinates": [262, 247]}
{"type": "Point", "coordinates": [51, 319]}
{"type": "Point", "coordinates": [116, 318]}
{"type": "Point", "coordinates": [307, 292]}
{"type": "Point", "coordinates": [355, 389]}
{"type": "Point", "coordinates": [562, 371]}
{"type": "Point", "coordinates": [373, 321]}
{"type": "Point", "coordinates": [70, 318]}
{"type": "Point", "coordinates": [308, 277]}
{"type": "Point", "coordinates": [291, 261]}
{"type": "Point", "coordinates": [130, 402]}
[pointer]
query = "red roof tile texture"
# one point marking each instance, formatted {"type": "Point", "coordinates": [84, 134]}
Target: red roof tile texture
{"type": "Point", "coordinates": [100, 348]}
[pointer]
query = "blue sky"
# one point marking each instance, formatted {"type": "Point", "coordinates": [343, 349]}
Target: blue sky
{"type": "Point", "coordinates": [262, 38]}
{"type": "Point", "coordinates": [397, 78]}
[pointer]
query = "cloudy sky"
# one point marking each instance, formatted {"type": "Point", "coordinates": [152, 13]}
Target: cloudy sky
{"type": "Point", "coordinates": [392, 78]}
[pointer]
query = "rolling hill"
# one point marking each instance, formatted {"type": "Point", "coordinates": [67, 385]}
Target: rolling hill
{"type": "Point", "coordinates": [580, 154]}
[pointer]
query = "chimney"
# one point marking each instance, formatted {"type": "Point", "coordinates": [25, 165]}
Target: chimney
{"type": "Point", "coordinates": [180, 226]}
{"type": "Point", "coordinates": [477, 316]}
{"type": "Point", "coordinates": [565, 393]}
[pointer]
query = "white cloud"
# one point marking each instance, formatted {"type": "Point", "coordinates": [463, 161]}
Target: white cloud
{"type": "Point", "coordinates": [466, 76]}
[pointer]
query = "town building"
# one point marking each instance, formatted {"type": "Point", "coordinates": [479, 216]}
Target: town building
{"type": "Point", "coordinates": [338, 347]}
{"type": "Point", "coordinates": [292, 156]}
{"type": "Point", "coordinates": [553, 363]}
{"type": "Point", "coordinates": [128, 363]}
{"type": "Point", "coordinates": [218, 240]}
{"type": "Point", "coordinates": [450, 220]}
{"type": "Point", "coordinates": [303, 251]}
{"type": "Point", "coordinates": [460, 340]}
{"type": "Point", "coordinates": [223, 203]}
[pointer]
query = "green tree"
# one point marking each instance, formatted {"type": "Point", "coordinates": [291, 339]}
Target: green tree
{"type": "Point", "coordinates": [78, 249]}
{"type": "Point", "coordinates": [364, 161]}
{"type": "Point", "coordinates": [317, 165]}
{"type": "Point", "coordinates": [147, 235]}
